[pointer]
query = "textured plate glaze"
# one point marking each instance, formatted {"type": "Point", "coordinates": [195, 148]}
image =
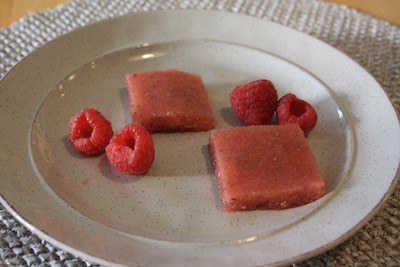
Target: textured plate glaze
{"type": "Point", "coordinates": [177, 199]}
{"type": "Point", "coordinates": [172, 216]}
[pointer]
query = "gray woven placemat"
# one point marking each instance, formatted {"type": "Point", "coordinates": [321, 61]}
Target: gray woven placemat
{"type": "Point", "coordinates": [373, 43]}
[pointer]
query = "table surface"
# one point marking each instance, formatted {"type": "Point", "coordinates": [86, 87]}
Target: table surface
{"type": "Point", "coordinates": [12, 10]}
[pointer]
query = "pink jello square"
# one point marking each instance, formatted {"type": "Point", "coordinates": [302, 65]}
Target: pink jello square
{"type": "Point", "coordinates": [169, 101]}
{"type": "Point", "coordinates": [264, 167]}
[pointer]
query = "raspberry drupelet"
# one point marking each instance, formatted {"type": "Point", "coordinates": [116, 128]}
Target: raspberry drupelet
{"type": "Point", "coordinates": [255, 102]}
{"type": "Point", "coordinates": [131, 150]}
{"type": "Point", "coordinates": [294, 110]}
{"type": "Point", "coordinates": [89, 131]}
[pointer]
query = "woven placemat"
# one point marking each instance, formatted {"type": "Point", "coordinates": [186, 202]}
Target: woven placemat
{"type": "Point", "coordinates": [373, 43]}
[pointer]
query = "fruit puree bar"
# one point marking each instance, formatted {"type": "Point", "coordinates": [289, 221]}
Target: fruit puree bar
{"type": "Point", "coordinates": [169, 101]}
{"type": "Point", "coordinates": [264, 167]}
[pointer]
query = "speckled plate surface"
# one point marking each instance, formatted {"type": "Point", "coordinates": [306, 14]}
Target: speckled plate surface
{"type": "Point", "coordinates": [172, 215]}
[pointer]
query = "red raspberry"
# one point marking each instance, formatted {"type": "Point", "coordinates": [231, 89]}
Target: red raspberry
{"type": "Point", "coordinates": [255, 102]}
{"type": "Point", "coordinates": [294, 110]}
{"type": "Point", "coordinates": [131, 150]}
{"type": "Point", "coordinates": [89, 131]}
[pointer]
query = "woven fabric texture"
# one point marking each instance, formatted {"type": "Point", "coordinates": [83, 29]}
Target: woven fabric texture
{"type": "Point", "coordinates": [373, 43]}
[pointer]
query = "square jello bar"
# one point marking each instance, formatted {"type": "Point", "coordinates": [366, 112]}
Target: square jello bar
{"type": "Point", "coordinates": [169, 101]}
{"type": "Point", "coordinates": [264, 167]}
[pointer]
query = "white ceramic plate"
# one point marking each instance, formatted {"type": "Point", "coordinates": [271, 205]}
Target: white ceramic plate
{"type": "Point", "coordinates": [172, 215]}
